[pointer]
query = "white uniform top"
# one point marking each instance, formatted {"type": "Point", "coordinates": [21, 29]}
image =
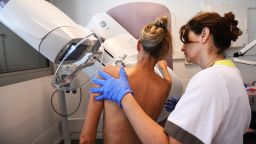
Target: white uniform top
{"type": "Point", "coordinates": [214, 108]}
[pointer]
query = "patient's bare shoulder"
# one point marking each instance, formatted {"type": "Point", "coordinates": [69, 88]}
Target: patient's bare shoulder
{"type": "Point", "coordinates": [112, 70]}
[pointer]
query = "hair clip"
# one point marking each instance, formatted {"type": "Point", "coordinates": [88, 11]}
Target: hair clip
{"type": "Point", "coordinates": [161, 24]}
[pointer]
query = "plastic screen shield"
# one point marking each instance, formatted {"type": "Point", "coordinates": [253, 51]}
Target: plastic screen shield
{"type": "Point", "coordinates": [70, 76]}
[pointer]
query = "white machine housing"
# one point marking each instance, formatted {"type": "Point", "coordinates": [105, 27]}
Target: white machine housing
{"type": "Point", "coordinates": [42, 25]}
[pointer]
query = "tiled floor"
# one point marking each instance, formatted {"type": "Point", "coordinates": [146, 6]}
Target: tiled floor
{"type": "Point", "coordinates": [248, 139]}
{"type": "Point", "coordinates": [99, 141]}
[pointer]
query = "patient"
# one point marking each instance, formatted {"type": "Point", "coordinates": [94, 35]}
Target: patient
{"type": "Point", "coordinates": [150, 90]}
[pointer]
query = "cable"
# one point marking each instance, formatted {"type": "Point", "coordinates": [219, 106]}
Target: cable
{"type": "Point", "coordinates": [67, 115]}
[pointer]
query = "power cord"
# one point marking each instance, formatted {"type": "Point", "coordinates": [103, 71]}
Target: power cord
{"type": "Point", "coordinates": [67, 115]}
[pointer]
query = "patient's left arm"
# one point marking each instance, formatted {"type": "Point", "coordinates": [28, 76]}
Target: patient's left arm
{"type": "Point", "coordinates": [92, 116]}
{"type": "Point", "coordinates": [166, 75]}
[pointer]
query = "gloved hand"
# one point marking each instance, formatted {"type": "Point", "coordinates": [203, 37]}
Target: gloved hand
{"type": "Point", "coordinates": [111, 88]}
{"type": "Point", "coordinates": [171, 103]}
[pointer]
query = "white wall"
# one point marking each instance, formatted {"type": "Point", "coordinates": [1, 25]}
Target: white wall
{"type": "Point", "coordinates": [81, 11]}
{"type": "Point", "coordinates": [26, 114]}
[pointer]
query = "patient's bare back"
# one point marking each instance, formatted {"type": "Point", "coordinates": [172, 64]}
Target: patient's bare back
{"type": "Point", "coordinates": [150, 91]}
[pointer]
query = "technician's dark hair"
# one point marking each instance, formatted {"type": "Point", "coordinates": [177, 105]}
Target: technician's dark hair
{"type": "Point", "coordinates": [156, 38]}
{"type": "Point", "coordinates": [223, 29]}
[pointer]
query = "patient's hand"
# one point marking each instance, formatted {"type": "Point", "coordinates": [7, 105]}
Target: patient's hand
{"type": "Point", "coordinates": [162, 64]}
{"type": "Point", "coordinates": [86, 140]}
{"type": "Point", "coordinates": [166, 75]}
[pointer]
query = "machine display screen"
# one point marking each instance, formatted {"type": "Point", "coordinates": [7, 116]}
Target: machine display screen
{"type": "Point", "coordinates": [76, 55]}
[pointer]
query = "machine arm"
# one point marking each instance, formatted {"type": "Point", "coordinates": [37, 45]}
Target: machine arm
{"type": "Point", "coordinates": [242, 52]}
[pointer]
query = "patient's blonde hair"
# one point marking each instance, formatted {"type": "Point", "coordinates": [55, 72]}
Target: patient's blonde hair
{"type": "Point", "coordinates": [156, 39]}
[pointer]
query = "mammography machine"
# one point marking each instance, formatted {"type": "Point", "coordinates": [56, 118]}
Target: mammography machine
{"type": "Point", "coordinates": [78, 51]}
{"type": "Point", "coordinates": [62, 41]}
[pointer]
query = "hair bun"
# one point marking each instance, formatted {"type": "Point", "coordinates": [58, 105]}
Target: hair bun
{"type": "Point", "coordinates": [162, 22]}
{"type": "Point", "coordinates": [155, 38]}
{"type": "Point", "coordinates": [229, 18]}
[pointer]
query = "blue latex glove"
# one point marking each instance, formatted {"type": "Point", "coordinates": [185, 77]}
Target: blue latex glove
{"type": "Point", "coordinates": [111, 88]}
{"type": "Point", "coordinates": [171, 103]}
